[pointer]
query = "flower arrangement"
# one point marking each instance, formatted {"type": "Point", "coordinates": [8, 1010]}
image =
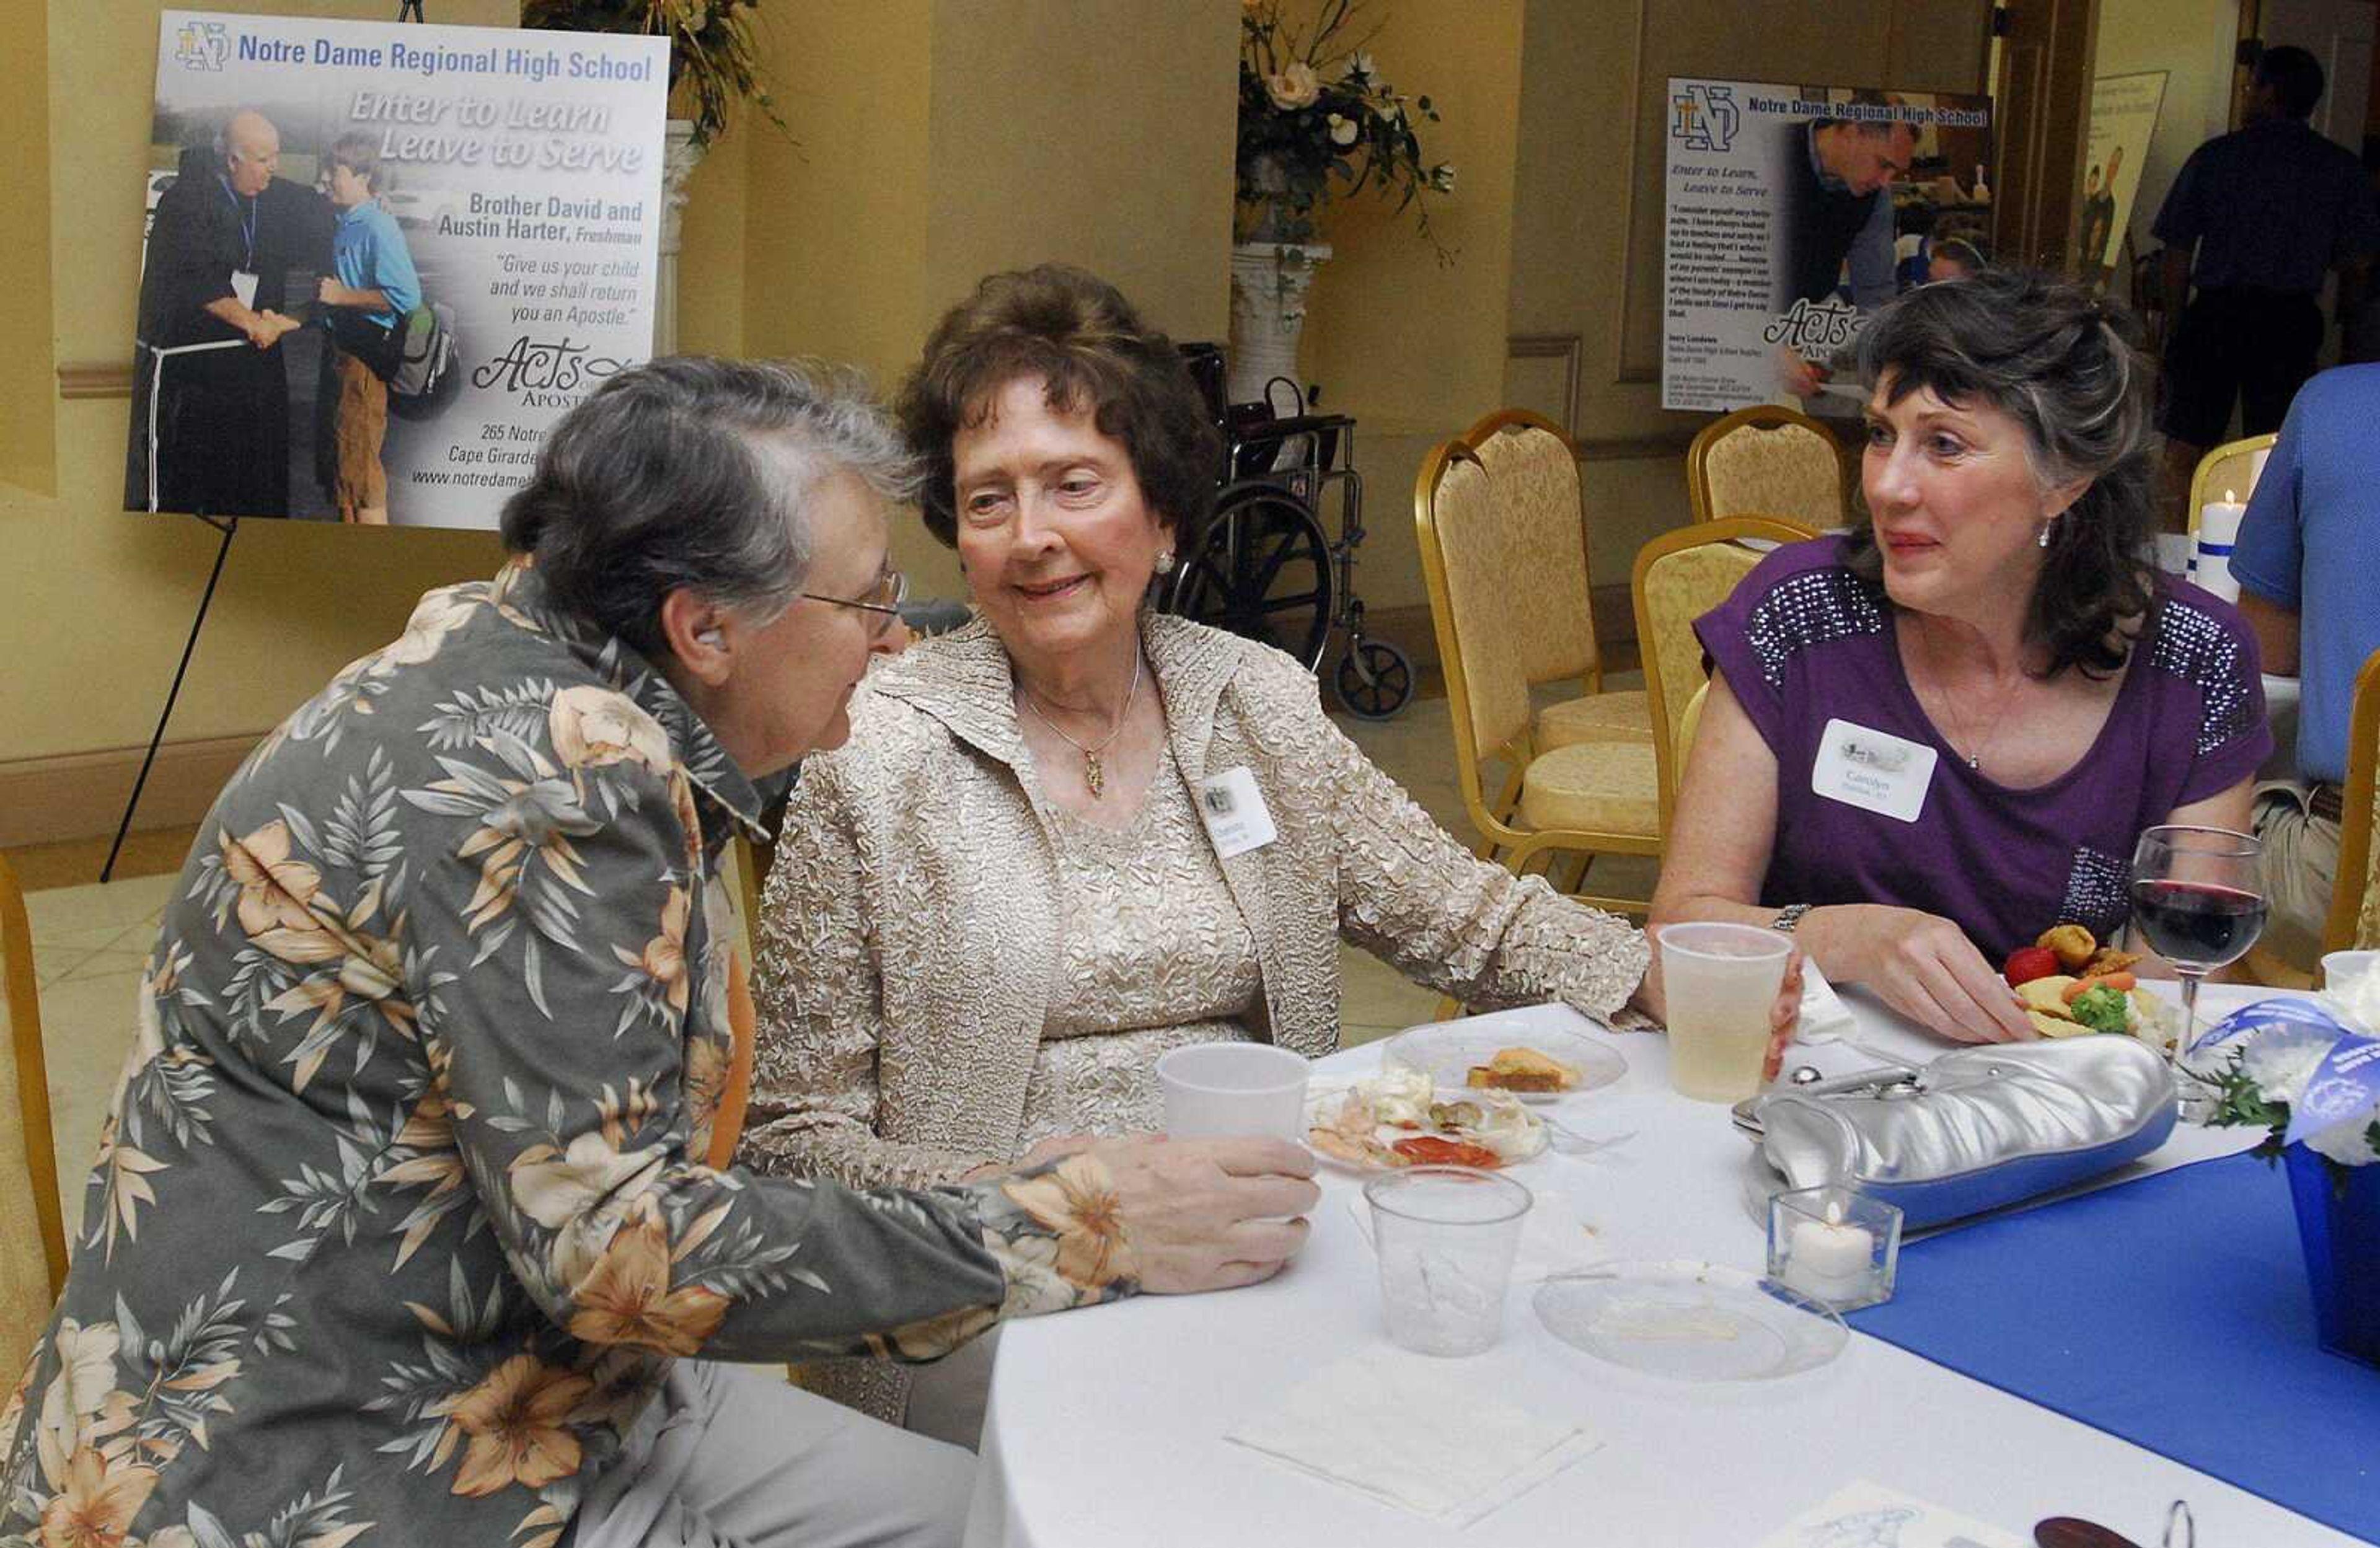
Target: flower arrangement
{"type": "Point", "coordinates": [2285, 1057]}
{"type": "Point", "coordinates": [712, 51]}
{"type": "Point", "coordinates": [1314, 109]}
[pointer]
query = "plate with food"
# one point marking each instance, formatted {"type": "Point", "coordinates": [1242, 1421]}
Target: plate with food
{"type": "Point", "coordinates": [1505, 1053]}
{"type": "Point", "coordinates": [2072, 984]}
{"type": "Point", "coordinates": [1399, 1117]}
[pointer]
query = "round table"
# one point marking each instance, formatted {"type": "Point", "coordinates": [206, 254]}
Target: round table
{"type": "Point", "coordinates": [1106, 1427]}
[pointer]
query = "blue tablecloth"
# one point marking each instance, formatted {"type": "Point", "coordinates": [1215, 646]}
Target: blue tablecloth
{"type": "Point", "coordinates": [2172, 1311]}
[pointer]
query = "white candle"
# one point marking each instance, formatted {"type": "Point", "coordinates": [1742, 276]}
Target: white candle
{"type": "Point", "coordinates": [2218, 529]}
{"type": "Point", "coordinates": [1830, 1262]}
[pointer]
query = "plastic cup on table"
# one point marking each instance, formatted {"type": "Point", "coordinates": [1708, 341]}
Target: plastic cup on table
{"type": "Point", "coordinates": [2342, 968]}
{"type": "Point", "coordinates": [1720, 980]}
{"type": "Point", "coordinates": [1446, 1237]}
{"type": "Point", "coordinates": [1222, 1090]}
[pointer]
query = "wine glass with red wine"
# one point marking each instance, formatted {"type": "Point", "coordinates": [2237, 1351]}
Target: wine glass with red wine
{"type": "Point", "coordinates": [2198, 899]}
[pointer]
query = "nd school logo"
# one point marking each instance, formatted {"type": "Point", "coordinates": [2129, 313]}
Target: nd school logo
{"type": "Point", "coordinates": [1703, 117]}
{"type": "Point", "coordinates": [1816, 329]}
{"type": "Point", "coordinates": [201, 45]}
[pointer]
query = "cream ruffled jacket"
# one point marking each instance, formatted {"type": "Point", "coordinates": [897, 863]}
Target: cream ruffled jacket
{"type": "Point", "coordinates": [909, 937]}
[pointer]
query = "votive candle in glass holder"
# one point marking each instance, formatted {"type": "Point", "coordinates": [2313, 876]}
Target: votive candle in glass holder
{"type": "Point", "coordinates": [1834, 1246]}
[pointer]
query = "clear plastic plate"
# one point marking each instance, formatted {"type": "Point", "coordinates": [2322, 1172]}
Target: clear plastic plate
{"type": "Point", "coordinates": [1448, 1050]}
{"type": "Point", "coordinates": [1690, 1322]}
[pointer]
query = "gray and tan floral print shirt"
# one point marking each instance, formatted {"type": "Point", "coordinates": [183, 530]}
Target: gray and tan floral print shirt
{"type": "Point", "coordinates": [405, 1197]}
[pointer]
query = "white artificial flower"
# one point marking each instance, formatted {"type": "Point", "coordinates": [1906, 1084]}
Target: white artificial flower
{"type": "Point", "coordinates": [2344, 1142]}
{"type": "Point", "coordinates": [2281, 1059]}
{"type": "Point", "coordinates": [2357, 1001]}
{"type": "Point", "coordinates": [1342, 129]}
{"type": "Point", "coordinates": [1297, 86]}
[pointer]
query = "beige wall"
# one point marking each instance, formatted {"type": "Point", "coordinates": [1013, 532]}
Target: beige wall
{"type": "Point", "coordinates": [28, 427]}
{"type": "Point", "coordinates": [816, 245]}
{"type": "Point", "coordinates": [2191, 41]}
{"type": "Point", "coordinates": [100, 600]}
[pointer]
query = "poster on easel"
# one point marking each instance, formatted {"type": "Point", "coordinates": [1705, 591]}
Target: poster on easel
{"type": "Point", "coordinates": [2123, 120]}
{"type": "Point", "coordinates": [1792, 214]}
{"type": "Point", "coordinates": [382, 259]}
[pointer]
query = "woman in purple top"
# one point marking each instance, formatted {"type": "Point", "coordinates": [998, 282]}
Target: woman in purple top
{"type": "Point", "coordinates": [1935, 736]}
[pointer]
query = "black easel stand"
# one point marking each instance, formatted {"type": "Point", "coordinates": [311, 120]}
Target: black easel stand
{"type": "Point", "coordinates": [226, 526]}
{"type": "Point", "coordinates": [408, 10]}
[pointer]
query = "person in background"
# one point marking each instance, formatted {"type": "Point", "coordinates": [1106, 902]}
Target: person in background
{"type": "Point", "coordinates": [225, 237]}
{"type": "Point", "coordinates": [2308, 550]}
{"type": "Point", "coordinates": [1838, 225]}
{"type": "Point", "coordinates": [2255, 221]}
{"type": "Point", "coordinates": [1932, 738]}
{"type": "Point", "coordinates": [1953, 258]}
{"type": "Point", "coordinates": [365, 304]}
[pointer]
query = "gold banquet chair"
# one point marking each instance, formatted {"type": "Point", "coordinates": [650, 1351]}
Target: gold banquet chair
{"type": "Point", "coordinates": [1532, 479]}
{"type": "Point", "coordinates": [2354, 923]}
{"type": "Point", "coordinates": [1767, 461]}
{"type": "Point", "coordinates": [1589, 798]}
{"type": "Point", "coordinates": [33, 1226]}
{"type": "Point", "coordinates": [1680, 577]}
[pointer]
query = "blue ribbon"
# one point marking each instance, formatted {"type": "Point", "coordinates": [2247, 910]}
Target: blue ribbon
{"type": "Point", "coordinates": [2345, 1085]}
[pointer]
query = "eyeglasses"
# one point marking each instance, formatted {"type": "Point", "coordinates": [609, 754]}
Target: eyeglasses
{"type": "Point", "coordinates": [884, 601]}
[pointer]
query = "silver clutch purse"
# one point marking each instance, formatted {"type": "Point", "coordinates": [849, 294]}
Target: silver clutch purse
{"type": "Point", "coordinates": [1973, 1130]}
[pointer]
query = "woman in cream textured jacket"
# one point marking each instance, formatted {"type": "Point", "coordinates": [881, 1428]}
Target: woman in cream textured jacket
{"type": "Point", "coordinates": [996, 906]}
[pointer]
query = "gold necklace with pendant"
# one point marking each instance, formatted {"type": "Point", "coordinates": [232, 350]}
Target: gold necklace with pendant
{"type": "Point", "coordinates": [1095, 774]}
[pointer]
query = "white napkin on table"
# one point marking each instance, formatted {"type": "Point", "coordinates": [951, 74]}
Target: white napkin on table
{"type": "Point", "coordinates": [1391, 1425]}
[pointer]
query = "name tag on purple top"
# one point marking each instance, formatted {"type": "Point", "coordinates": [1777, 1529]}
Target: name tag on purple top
{"type": "Point", "coordinates": [1873, 771]}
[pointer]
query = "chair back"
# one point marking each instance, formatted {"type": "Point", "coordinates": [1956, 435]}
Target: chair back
{"type": "Point", "coordinates": [2227, 470]}
{"type": "Point", "coordinates": [1767, 461]}
{"type": "Point", "coordinates": [1680, 577]}
{"type": "Point", "coordinates": [1468, 564]}
{"type": "Point", "coordinates": [32, 1230]}
{"type": "Point", "coordinates": [1533, 481]}
{"type": "Point", "coordinates": [2354, 923]}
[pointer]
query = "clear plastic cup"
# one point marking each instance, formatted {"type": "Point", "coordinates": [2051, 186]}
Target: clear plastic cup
{"type": "Point", "coordinates": [1720, 980]}
{"type": "Point", "coordinates": [2341, 968]}
{"type": "Point", "coordinates": [1446, 1237]}
{"type": "Point", "coordinates": [1219, 1090]}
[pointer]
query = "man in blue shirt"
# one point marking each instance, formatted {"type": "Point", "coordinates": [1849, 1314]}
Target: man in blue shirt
{"type": "Point", "coordinates": [365, 305]}
{"type": "Point", "coordinates": [2308, 551]}
{"type": "Point", "coordinates": [2255, 220]}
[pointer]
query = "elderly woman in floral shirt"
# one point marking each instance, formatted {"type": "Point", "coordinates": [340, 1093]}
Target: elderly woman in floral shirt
{"type": "Point", "coordinates": [414, 1193]}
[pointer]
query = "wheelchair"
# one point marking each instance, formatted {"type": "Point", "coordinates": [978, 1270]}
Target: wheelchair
{"type": "Point", "coordinates": [1269, 570]}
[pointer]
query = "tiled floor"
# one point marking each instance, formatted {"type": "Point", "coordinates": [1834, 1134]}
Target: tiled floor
{"type": "Point", "coordinates": [89, 943]}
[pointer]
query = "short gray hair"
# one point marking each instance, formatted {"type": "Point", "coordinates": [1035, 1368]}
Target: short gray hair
{"type": "Point", "coordinates": [694, 473]}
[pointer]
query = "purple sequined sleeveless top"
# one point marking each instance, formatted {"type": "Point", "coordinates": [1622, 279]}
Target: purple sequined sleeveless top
{"type": "Point", "coordinates": [1802, 641]}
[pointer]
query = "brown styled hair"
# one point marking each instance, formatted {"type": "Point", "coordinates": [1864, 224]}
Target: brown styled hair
{"type": "Point", "coordinates": [1091, 350]}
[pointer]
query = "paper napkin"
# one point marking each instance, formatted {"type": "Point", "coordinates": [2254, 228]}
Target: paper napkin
{"type": "Point", "coordinates": [1863, 1513]}
{"type": "Point", "coordinates": [1389, 1424]}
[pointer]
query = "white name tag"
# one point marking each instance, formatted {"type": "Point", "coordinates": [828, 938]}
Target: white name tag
{"type": "Point", "coordinates": [1873, 770]}
{"type": "Point", "coordinates": [243, 284]}
{"type": "Point", "coordinates": [1233, 810]}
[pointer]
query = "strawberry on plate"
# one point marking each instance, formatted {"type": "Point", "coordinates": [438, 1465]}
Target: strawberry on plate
{"type": "Point", "coordinates": [2029, 963]}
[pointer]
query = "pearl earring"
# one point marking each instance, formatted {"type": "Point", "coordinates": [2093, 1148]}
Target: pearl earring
{"type": "Point", "coordinates": [1165, 563]}
{"type": "Point", "coordinates": [2043, 540]}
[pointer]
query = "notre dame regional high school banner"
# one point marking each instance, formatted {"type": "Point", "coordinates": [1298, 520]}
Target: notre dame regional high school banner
{"type": "Point", "coordinates": [1793, 213]}
{"type": "Point", "coordinates": [380, 259]}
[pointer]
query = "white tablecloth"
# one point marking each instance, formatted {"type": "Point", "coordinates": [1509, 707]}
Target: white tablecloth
{"type": "Point", "coordinates": [1106, 1427]}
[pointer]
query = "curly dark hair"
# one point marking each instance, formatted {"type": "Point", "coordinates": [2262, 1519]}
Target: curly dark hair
{"type": "Point", "coordinates": [2061, 363]}
{"type": "Point", "coordinates": [1090, 346]}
